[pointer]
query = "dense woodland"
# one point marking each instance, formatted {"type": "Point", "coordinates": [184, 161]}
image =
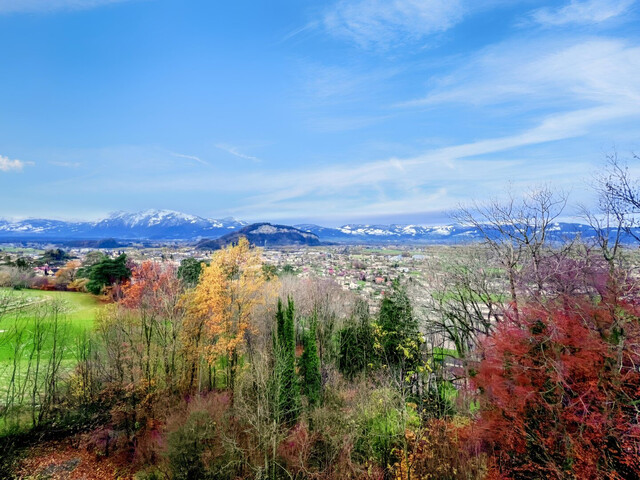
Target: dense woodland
{"type": "Point", "coordinates": [523, 363]}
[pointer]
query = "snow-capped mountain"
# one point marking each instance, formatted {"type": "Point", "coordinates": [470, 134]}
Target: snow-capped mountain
{"type": "Point", "coordinates": [147, 224]}
{"type": "Point", "coordinates": [163, 224]}
{"type": "Point", "coordinates": [172, 225]}
{"type": "Point", "coordinates": [394, 233]}
{"type": "Point", "coordinates": [445, 234]}
{"type": "Point", "coordinates": [40, 226]}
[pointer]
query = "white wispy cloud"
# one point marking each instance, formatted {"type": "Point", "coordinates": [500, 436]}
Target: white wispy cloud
{"type": "Point", "coordinates": [189, 157]}
{"type": "Point", "coordinates": [582, 12]}
{"type": "Point", "coordinates": [299, 31]}
{"type": "Point", "coordinates": [558, 73]}
{"type": "Point", "coordinates": [230, 149]}
{"type": "Point", "coordinates": [457, 163]}
{"type": "Point", "coordinates": [386, 22]}
{"type": "Point", "coordinates": [66, 164]}
{"type": "Point", "coordinates": [12, 165]}
{"type": "Point", "coordinates": [435, 180]}
{"type": "Point", "coordinates": [17, 6]}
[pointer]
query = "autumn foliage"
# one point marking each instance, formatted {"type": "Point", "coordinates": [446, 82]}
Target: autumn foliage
{"type": "Point", "coordinates": [221, 305]}
{"type": "Point", "coordinates": [558, 392]}
{"type": "Point", "coordinates": [153, 286]}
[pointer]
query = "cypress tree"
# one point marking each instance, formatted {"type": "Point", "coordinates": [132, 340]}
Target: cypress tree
{"type": "Point", "coordinates": [286, 361]}
{"type": "Point", "coordinates": [279, 333]}
{"type": "Point", "coordinates": [310, 366]}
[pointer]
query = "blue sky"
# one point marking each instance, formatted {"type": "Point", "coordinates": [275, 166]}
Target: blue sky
{"type": "Point", "coordinates": [298, 110]}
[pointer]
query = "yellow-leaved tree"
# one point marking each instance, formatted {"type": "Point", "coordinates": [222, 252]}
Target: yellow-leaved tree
{"type": "Point", "coordinates": [223, 302]}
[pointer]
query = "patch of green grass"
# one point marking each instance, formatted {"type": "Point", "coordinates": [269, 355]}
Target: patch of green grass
{"type": "Point", "coordinates": [24, 251]}
{"type": "Point", "coordinates": [82, 307]}
{"type": "Point", "coordinates": [78, 316]}
{"type": "Point", "coordinates": [440, 354]}
{"type": "Point", "coordinates": [494, 272]}
{"type": "Point", "coordinates": [387, 251]}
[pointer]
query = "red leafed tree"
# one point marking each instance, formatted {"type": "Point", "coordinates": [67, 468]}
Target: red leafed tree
{"type": "Point", "coordinates": [559, 392]}
{"type": "Point", "coordinates": [153, 286]}
{"type": "Point", "coordinates": [154, 294]}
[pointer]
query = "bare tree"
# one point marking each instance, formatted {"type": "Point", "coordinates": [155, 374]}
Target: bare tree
{"type": "Point", "coordinates": [608, 227]}
{"type": "Point", "coordinates": [517, 230]}
{"type": "Point", "coordinates": [621, 190]}
{"type": "Point", "coordinates": [466, 299]}
{"type": "Point", "coordinates": [618, 207]}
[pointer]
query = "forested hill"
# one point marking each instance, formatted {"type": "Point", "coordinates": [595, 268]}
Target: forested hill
{"type": "Point", "coordinates": [263, 235]}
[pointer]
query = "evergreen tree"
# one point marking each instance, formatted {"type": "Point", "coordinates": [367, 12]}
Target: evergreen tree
{"type": "Point", "coordinates": [399, 333]}
{"type": "Point", "coordinates": [279, 333]}
{"type": "Point", "coordinates": [356, 347]}
{"type": "Point", "coordinates": [310, 366]}
{"type": "Point", "coordinates": [285, 357]}
{"type": "Point", "coordinates": [52, 256]}
{"type": "Point", "coordinates": [189, 271]}
{"type": "Point", "coordinates": [107, 272]}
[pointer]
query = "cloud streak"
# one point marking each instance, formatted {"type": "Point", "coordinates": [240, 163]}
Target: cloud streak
{"type": "Point", "coordinates": [559, 73]}
{"type": "Point", "coordinates": [434, 181]}
{"type": "Point", "coordinates": [384, 23]}
{"type": "Point", "coordinates": [66, 164]}
{"type": "Point", "coordinates": [230, 149]}
{"type": "Point", "coordinates": [9, 165]}
{"type": "Point", "coordinates": [582, 12]}
{"type": "Point", "coordinates": [189, 157]}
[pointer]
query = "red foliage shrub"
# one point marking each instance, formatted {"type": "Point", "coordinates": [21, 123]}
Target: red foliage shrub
{"type": "Point", "coordinates": [558, 388]}
{"type": "Point", "coordinates": [296, 449]}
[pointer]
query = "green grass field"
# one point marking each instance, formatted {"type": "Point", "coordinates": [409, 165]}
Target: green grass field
{"type": "Point", "coordinates": [81, 308]}
{"type": "Point", "coordinates": [78, 316]}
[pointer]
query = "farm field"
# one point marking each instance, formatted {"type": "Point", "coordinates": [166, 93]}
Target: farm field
{"type": "Point", "coordinates": [26, 308]}
{"type": "Point", "coordinates": [82, 306]}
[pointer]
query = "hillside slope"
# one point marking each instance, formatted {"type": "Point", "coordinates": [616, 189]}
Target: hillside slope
{"type": "Point", "coordinates": [264, 235]}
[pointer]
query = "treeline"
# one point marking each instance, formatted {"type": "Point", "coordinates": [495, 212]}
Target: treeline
{"type": "Point", "coordinates": [97, 273]}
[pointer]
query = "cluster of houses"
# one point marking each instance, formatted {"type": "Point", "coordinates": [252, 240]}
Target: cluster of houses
{"type": "Point", "coordinates": [366, 270]}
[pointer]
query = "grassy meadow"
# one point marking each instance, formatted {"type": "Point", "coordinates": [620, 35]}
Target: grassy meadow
{"type": "Point", "coordinates": [39, 336]}
{"type": "Point", "coordinates": [78, 313]}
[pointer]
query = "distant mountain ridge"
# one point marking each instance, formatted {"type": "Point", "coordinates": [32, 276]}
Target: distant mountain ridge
{"type": "Point", "coordinates": [449, 234]}
{"type": "Point", "coordinates": [264, 235]}
{"type": "Point", "coordinates": [143, 225]}
{"type": "Point", "coordinates": [170, 225]}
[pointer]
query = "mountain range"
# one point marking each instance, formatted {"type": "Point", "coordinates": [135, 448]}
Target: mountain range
{"type": "Point", "coordinates": [144, 225]}
{"type": "Point", "coordinates": [169, 225]}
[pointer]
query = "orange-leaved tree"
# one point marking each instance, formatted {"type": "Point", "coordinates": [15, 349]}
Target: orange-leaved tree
{"type": "Point", "coordinates": [154, 293]}
{"type": "Point", "coordinates": [221, 306]}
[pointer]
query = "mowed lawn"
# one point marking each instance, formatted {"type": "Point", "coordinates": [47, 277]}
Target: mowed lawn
{"type": "Point", "coordinates": [79, 316]}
